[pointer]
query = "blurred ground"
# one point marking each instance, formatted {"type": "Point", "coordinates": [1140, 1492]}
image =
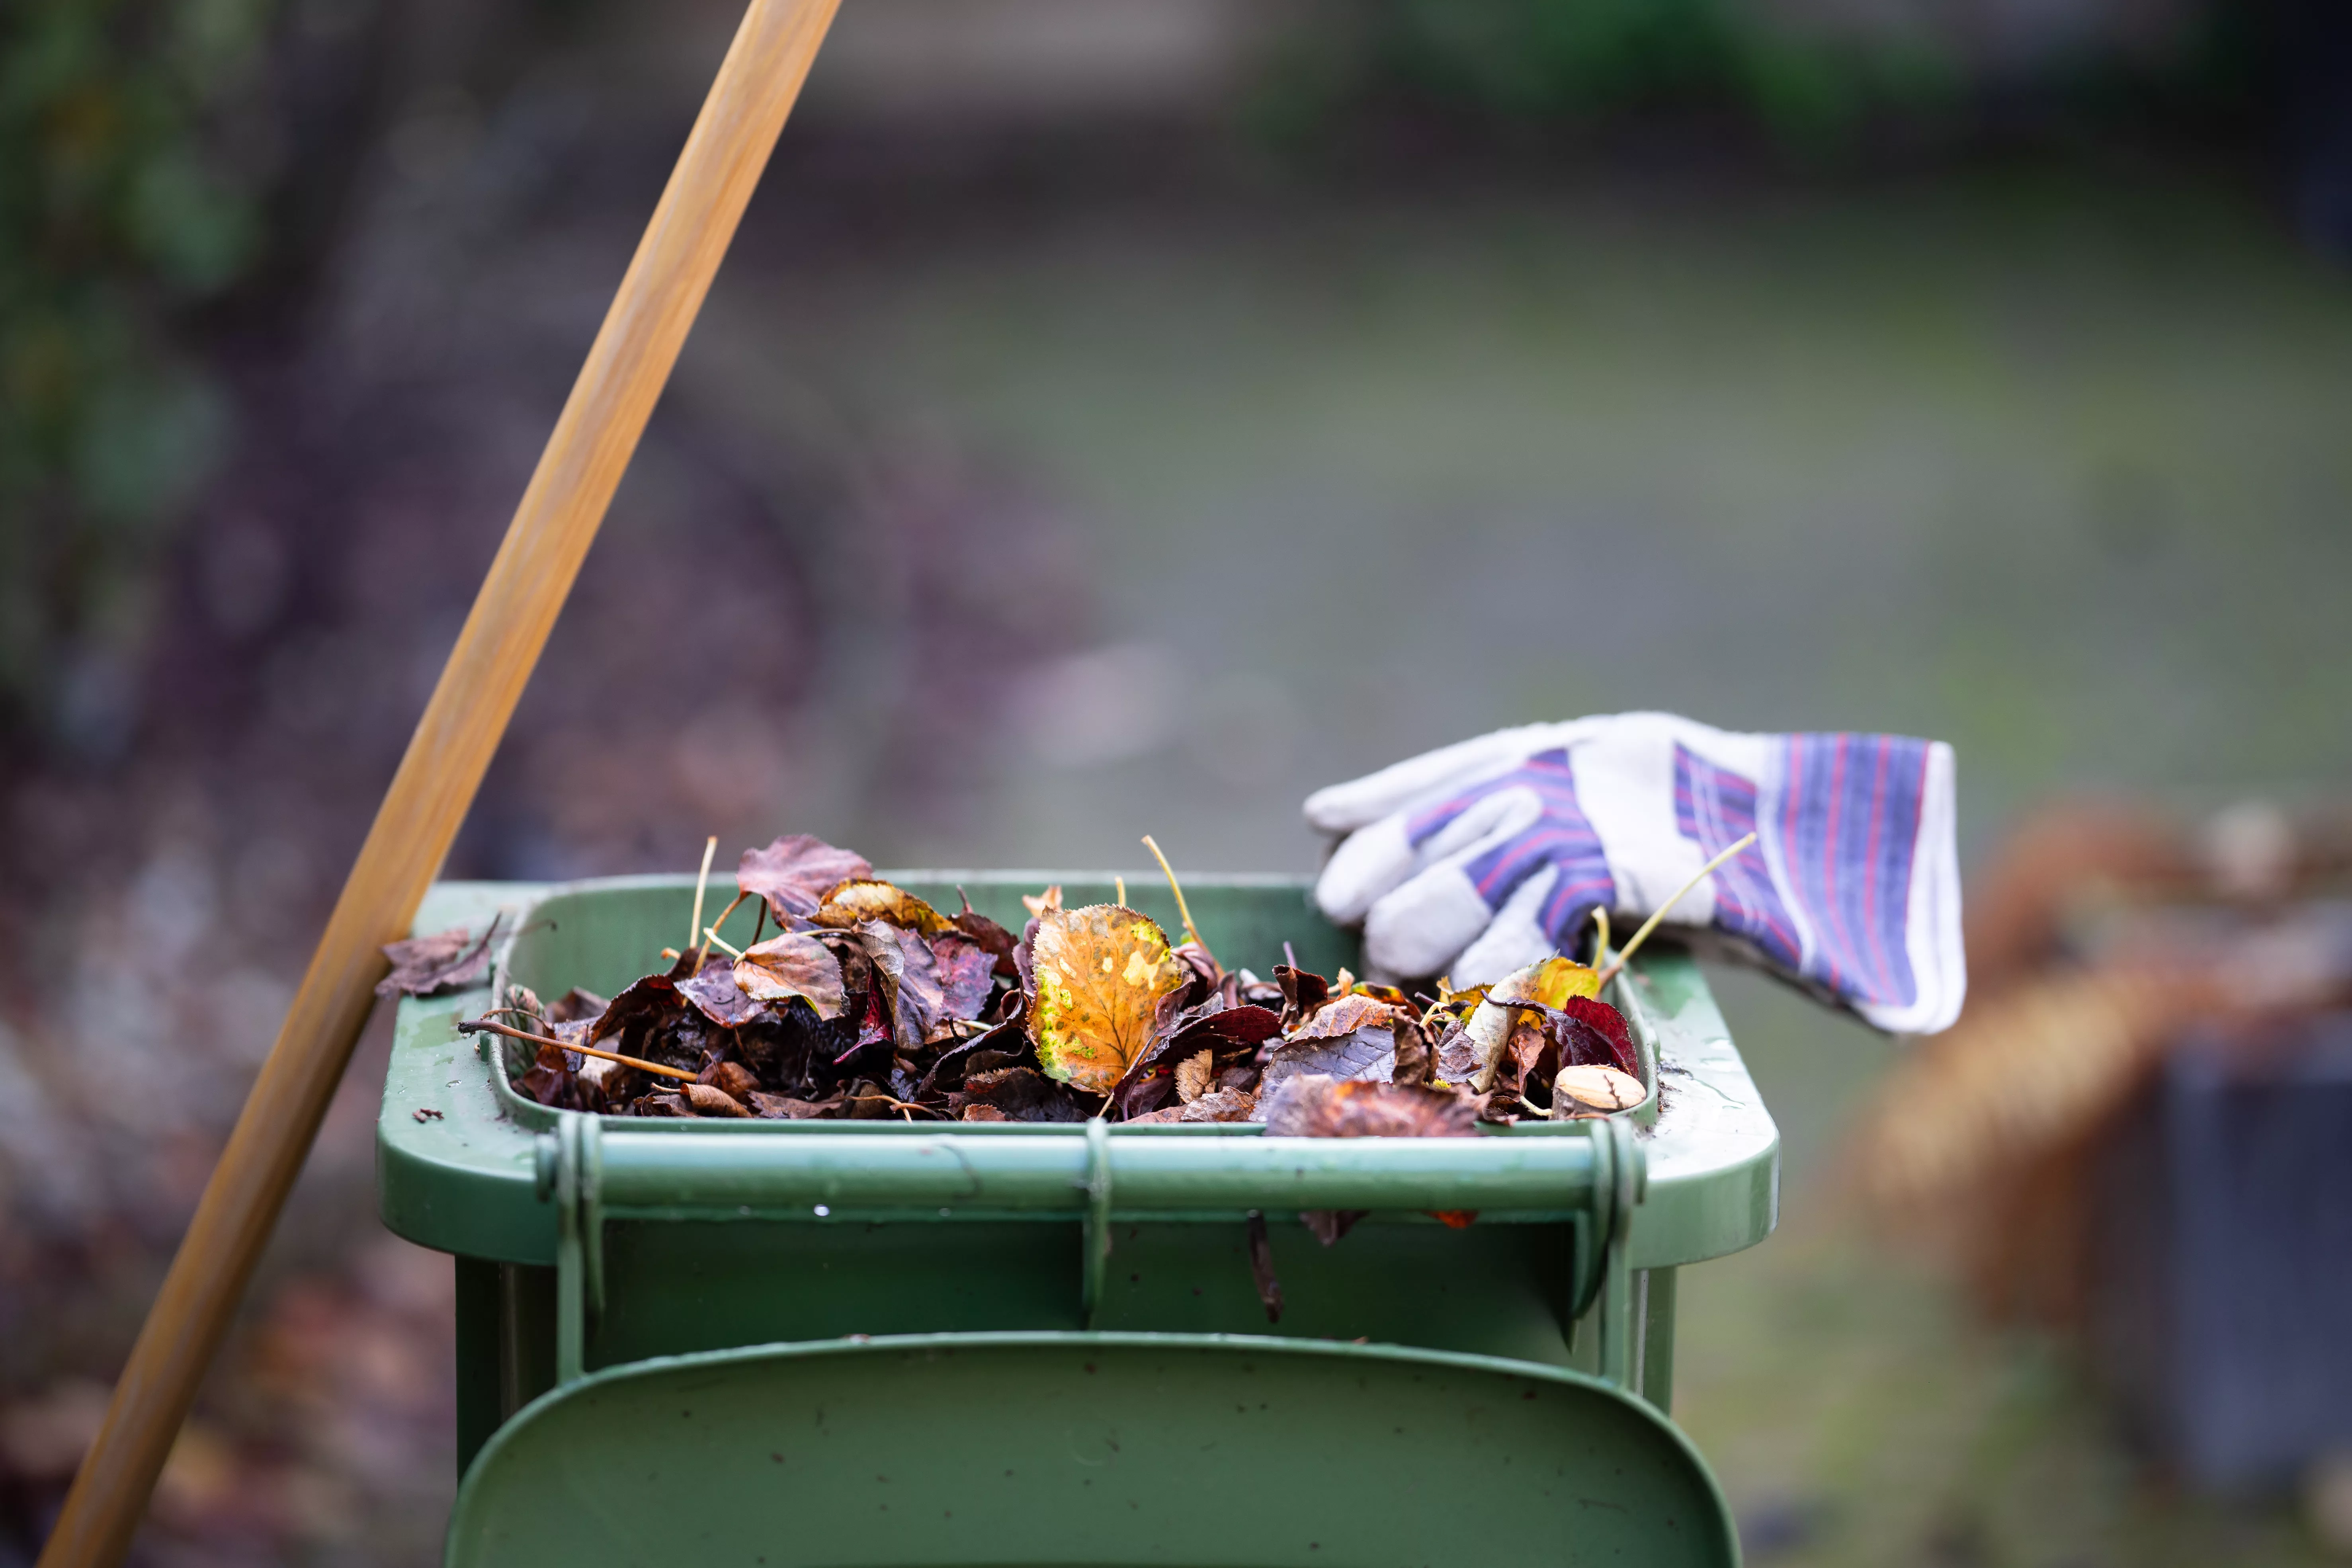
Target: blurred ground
{"type": "Point", "coordinates": [999, 520]}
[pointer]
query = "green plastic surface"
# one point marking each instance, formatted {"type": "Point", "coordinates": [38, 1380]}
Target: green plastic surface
{"type": "Point", "coordinates": [1089, 1449]}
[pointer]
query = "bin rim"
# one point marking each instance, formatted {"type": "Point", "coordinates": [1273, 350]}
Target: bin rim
{"type": "Point", "coordinates": [458, 1166]}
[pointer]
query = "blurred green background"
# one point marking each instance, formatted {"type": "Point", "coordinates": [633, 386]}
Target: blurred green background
{"type": "Point", "coordinates": [1121, 417]}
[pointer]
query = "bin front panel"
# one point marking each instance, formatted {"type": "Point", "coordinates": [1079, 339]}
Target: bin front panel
{"type": "Point", "coordinates": [672, 1287]}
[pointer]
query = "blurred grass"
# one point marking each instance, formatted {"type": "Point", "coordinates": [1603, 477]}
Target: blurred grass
{"type": "Point", "coordinates": [2046, 461]}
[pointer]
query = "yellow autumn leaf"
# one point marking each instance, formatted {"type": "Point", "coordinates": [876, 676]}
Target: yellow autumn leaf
{"type": "Point", "coordinates": [863, 899]}
{"type": "Point", "coordinates": [1100, 973]}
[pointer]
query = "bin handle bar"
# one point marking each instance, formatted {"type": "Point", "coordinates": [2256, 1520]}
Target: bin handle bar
{"type": "Point", "coordinates": [723, 1176]}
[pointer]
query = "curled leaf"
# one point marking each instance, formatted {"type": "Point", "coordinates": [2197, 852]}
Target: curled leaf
{"type": "Point", "coordinates": [710, 1099]}
{"type": "Point", "coordinates": [1099, 973]}
{"type": "Point", "coordinates": [733, 1078]}
{"type": "Point", "coordinates": [861, 900]}
{"type": "Point", "coordinates": [794, 873]}
{"type": "Point", "coordinates": [1192, 1076]}
{"type": "Point", "coordinates": [793, 965]}
{"type": "Point", "coordinates": [1040, 904]}
{"type": "Point", "coordinates": [1303, 990]}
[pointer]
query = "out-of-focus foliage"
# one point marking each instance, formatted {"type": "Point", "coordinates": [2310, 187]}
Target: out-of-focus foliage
{"type": "Point", "coordinates": [132, 174]}
{"type": "Point", "coordinates": [1815, 86]}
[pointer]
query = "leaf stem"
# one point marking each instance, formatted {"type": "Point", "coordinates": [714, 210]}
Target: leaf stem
{"type": "Point", "coordinates": [701, 880]}
{"type": "Point", "coordinates": [711, 938]}
{"type": "Point", "coordinates": [1651, 924]}
{"type": "Point", "coordinates": [704, 951]}
{"type": "Point", "coordinates": [484, 1027]}
{"type": "Point", "coordinates": [1599, 935]}
{"type": "Point", "coordinates": [1184, 913]}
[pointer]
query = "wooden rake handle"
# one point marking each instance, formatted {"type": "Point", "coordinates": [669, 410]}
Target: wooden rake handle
{"type": "Point", "coordinates": [517, 608]}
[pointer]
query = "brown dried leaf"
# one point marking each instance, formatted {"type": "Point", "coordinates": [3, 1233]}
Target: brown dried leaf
{"type": "Point", "coordinates": [708, 1100]}
{"type": "Point", "coordinates": [785, 1108]}
{"type": "Point", "coordinates": [1367, 1053]}
{"type": "Point", "coordinates": [793, 965]}
{"type": "Point", "coordinates": [1218, 1105]}
{"type": "Point", "coordinates": [1341, 1016]}
{"type": "Point", "coordinates": [717, 995]}
{"type": "Point", "coordinates": [1192, 1076]}
{"type": "Point", "coordinates": [732, 1079]}
{"type": "Point", "coordinates": [1415, 1062]}
{"type": "Point", "coordinates": [998, 942]}
{"type": "Point", "coordinates": [1311, 1106]}
{"type": "Point", "coordinates": [445, 961]}
{"type": "Point", "coordinates": [552, 1079]}
{"type": "Point", "coordinates": [1038, 906]}
{"type": "Point", "coordinates": [794, 873]}
{"type": "Point", "coordinates": [639, 1009]}
{"type": "Point", "coordinates": [1099, 973]}
{"type": "Point", "coordinates": [1303, 990]}
{"type": "Point", "coordinates": [1020, 1093]}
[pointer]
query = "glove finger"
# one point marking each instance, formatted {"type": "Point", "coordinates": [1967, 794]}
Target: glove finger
{"type": "Point", "coordinates": [1345, 807]}
{"type": "Point", "coordinates": [1418, 929]}
{"type": "Point", "coordinates": [1367, 864]}
{"type": "Point", "coordinates": [1514, 939]}
{"type": "Point", "coordinates": [1374, 861]}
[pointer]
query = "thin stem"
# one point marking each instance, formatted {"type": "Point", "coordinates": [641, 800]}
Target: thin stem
{"type": "Point", "coordinates": [483, 1027]}
{"type": "Point", "coordinates": [1119, 889]}
{"type": "Point", "coordinates": [712, 939]}
{"type": "Point", "coordinates": [704, 951]}
{"type": "Point", "coordinates": [1651, 924]}
{"type": "Point", "coordinates": [701, 879]}
{"type": "Point", "coordinates": [1183, 911]}
{"type": "Point", "coordinates": [1599, 935]}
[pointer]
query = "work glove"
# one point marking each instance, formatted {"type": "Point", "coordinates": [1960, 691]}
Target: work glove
{"type": "Point", "coordinates": [1479, 858]}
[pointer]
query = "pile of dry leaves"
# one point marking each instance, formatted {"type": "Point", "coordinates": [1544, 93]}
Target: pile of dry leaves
{"type": "Point", "coordinates": [870, 1003]}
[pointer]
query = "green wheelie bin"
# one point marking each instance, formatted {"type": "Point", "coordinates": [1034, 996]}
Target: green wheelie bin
{"type": "Point", "coordinates": [891, 1343]}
